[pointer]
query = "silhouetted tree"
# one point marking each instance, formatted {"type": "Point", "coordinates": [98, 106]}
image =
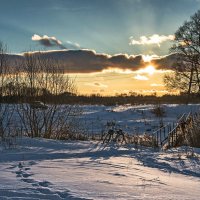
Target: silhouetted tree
{"type": "Point", "coordinates": [6, 110]}
{"type": "Point", "coordinates": [186, 77]}
{"type": "Point", "coordinates": [44, 79]}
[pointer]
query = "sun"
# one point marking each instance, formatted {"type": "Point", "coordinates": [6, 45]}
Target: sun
{"type": "Point", "coordinates": [150, 70]}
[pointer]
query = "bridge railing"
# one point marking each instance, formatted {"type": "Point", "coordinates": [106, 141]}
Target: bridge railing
{"type": "Point", "coordinates": [168, 133]}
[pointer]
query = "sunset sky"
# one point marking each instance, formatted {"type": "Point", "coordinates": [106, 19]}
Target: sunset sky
{"type": "Point", "coordinates": [106, 37]}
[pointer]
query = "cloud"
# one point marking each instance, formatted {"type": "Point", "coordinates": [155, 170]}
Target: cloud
{"type": "Point", "coordinates": [154, 39]}
{"type": "Point", "coordinates": [72, 45]}
{"type": "Point", "coordinates": [141, 77]}
{"type": "Point", "coordinates": [87, 61]}
{"type": "Point", "coordinates": [166, 62]}
{"type": "Point", "coordinates": [149, 58]}
{"type": "Point", "coordinates": [47, 41]}
{"type": "Point", "coordinates": [68, 9]}
{"type": "Point", "coordinates": [96, 84]}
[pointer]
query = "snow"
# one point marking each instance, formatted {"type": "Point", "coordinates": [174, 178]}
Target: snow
{"type": "Point", "coordinates": [132, 119]}
{"type": "Point", "coordinates": [48, 169]}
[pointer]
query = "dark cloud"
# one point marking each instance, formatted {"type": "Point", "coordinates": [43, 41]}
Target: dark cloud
{"type": "Point", "coordinates": [166, 62]}
{"type": "Point", "coordinates": [86, 61]}
{"type": "Point", "coordinates": [127, 62]}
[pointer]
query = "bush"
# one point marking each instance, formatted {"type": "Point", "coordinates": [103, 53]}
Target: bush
{"type": "Point", "coordinates": [158, 111]}
{"type": "Point", "coordinates": [192, 136]}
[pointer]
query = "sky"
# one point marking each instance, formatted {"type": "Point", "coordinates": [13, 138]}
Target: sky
{"type": "Point", "coordinates": [106, 27]}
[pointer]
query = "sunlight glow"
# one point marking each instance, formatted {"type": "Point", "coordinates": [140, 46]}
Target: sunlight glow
{"type": "Point", "coordinates": [140, 77]}
{"type": "Point", "coordinates": [117, 70]}
{"type": "Point", "coordinates": [150, 70]}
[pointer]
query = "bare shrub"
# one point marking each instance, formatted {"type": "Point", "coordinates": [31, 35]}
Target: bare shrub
{"type": "Point", "coordinates": [143, 140]}
{"type": "Point", "coordinates": [192, 136]}
{"type": "Point", "coordinates": [6, 110]}
{"type": "Point", "coordinates": [159, 112]}
{"type": "Point", "coordinates": [45, 80]}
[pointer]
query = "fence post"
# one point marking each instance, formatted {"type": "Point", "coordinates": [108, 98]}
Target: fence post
{"type": "Point", "coordinates": [164, 132]}
{"type": "Point", "coordinates": [170, 135]}
{"type": "Point", "coordinates": [157, 137]}
{"type": "Point", "coordinates": [160, 135]}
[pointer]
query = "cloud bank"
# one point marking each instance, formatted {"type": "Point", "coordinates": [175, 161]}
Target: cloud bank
{"type": "Point", "coordinates": [87, 61]}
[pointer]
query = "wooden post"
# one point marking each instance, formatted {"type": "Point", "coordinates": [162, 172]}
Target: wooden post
{"type": "Point", "coordinates": [172, 138]}
{"type": "Point", "coordinates": [164, 132]}
{"type": "Point", "coordinates": [157, 137]}
{"type": "Point", "coordinates": [160, 135]}
{"type": "Point", "coordinates": [169, 135]}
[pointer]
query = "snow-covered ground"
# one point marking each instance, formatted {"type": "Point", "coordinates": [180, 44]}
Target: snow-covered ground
{"type": "Point", "coordinates": [48, 169]}
{"type": "Point", "coordinates": [132, 119]}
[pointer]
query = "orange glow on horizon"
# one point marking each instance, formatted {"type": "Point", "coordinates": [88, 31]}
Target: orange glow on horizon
{"type": "Point", "coordinates": [114, 80]}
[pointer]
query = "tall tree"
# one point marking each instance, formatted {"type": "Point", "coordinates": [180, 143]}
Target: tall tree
{"type": "Point", "coordinates": [186, 76]}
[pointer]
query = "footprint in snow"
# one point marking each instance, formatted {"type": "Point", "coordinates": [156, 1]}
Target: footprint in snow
{"type": "Point", "coordinates": [20, 166]}
{"type": "Point", "coordinates": [32, 163]}
{"type": "Point", "coordinates": [18, 173]}
{"type": "Point", "coordinates": [12, 167]}
{"type": "Point", "coordinates": [27, 180]}
{"type": "Point", "coordinates": [23, 172]}
{"type": "Point", "coordinates": [26, 175]}
{"type": "Point", "coordinates": [44, 183]}
{"type": "Point", "coordinates": [118, 174]}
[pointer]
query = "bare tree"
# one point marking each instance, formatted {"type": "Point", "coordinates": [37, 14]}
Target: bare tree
{"type": "Point", "coordinates": [186, 77]}
{"type": "Point", "coordinates": [46, 81]}
{"type": "Point", "coordinates": [6, 110]}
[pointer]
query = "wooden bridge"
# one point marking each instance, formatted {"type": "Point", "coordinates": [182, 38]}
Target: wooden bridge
{"type": "Point", "coordinates": [173, 134]}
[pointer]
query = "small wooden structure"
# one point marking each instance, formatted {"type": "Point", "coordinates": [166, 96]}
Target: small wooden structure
{"type": "Point", "coordinates": [172, 134]}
